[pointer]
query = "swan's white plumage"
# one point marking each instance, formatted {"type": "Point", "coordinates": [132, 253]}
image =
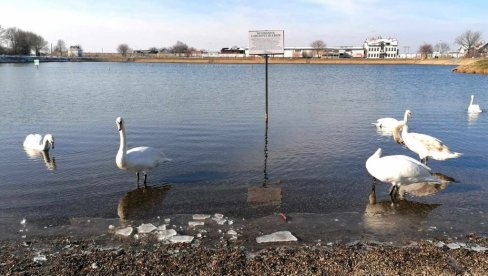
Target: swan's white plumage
{"type": "Point", "coordinates": [473, 108]}
{"type": "Point", "coordinates": [37, 142]}
{"type": "Point", "coordinates": [427, 146]}
{"type": "Point", "coordinates": [398, 169]}
{"type": "Point", "coordinates": [389, 123]}
{"type": "Point", "coordinates": [138, 159]}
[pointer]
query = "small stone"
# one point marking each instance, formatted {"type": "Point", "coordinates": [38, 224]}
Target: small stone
{"type": "Point", "coordinates": [167, 220]}
{"type": "Point", "coordinates": [111, 227]}
{"type": "Point", "coordinates": [94, 266]}
{"type": "Point", "coordinates": [146, 228]}
{"type": "Point", "coordinates": [230, 222]}
{"type": "Point", "coordinates": [181, 239]}
{"type": "Point", "coordinates": [127, 231]}
{"type": "Point", "coordinates": [281, 236]}
{"type": "Point", "coordinates": [196, 223]}
{"type": "Point", "coordinates": [200, 217]}
{"type": "Point", "coordinates": [23, 221]}
{"type": "Point", "coordinates": [136, 236]}
{"type": "Point", "coordinates": [199, 235]}
{"type": "Point", "coordinates": [165, 234]}
{"type": "Point", "coordinates": [231, 232]}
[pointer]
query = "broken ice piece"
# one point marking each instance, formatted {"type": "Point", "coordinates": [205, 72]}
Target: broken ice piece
{"type": "Point", "coordinates": [200, 217]}
{"type": "Point", "coordinates": [195, 223]}
{"type": "Point", "coordinates": [125, 232]}
{"type": "Point", "coordinates": [146, 228]}
{"type": "Point", "coordinates": [161, 227]}
{"type": "Point", "coordinates": [453, 245]}
{"type": "Point", "coordinates": [231, 232]}
{"type": "Point", "coordinates": [165, 234]}
{"type": "Point", "coordinates": [219, 216]}
{"type": "Point", "coordinates": [219, 221]}
{"type": "Point", "coordinates": [281, 236]}
{"type": "Point", "coordinates": [181, 239]}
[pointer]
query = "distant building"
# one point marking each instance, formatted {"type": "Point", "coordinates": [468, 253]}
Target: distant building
{"type": "Point", "coordinates": [75, 51]}
{"type": "Point", "coordinates": [381, 48]}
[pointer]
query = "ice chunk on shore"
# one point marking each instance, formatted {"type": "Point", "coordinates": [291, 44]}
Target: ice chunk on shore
{"type": "Point", "coordinates": [231, 232]}
{"type": "Point", "coordinates": [195, 223]}
{"type": "Point", "coordinates": [200, 217]}
{"type": "Point", "coordinates": [125, 232]}
{"type": "Point", "coordinates": [40, 258]}
{"type": "Point", "coordinates": [218, 216]}
{"type": "Point", "coordinates": [166, 234]}
{"type": "Point", "coordinates": [161, 227]}
{"type": "Point", "coordinates": [181, 239]}
{"type": "Point", "coordinates": [219, 221]}
{"type": "Point", "coordinates": [478, 248]}
{"type": "Point", "coordinates": [439, 244]}
{"type": "Point", "coordinates": [146, 228]}
{"type": "Point", "coordinates": [281, 236]}
{"type": "Point", "coordinates": [23, 221]}
{"type": "Point", "coordinates": [453, 245]}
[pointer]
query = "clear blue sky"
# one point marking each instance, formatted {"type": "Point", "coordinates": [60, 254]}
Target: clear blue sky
{"type": "Point", "coordinates": [211, 25]}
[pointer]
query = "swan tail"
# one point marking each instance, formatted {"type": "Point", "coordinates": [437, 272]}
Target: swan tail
{"type": "Point", "coordinates": [446, 155]}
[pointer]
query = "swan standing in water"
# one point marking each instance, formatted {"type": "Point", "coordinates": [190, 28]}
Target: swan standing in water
{"type": "Point", "coordinates": [473, 108]}
{"type": "Point", "coordinates": [398, 170]}
{"type": "Point", "coordinates": [426, 146]}
{"type": "Point", "coordinates": [139, 159]}
{"type": "Point", "coordinates": [37, 142]}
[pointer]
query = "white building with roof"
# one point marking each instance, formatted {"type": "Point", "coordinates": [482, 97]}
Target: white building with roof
{"type": "Point", "coordinates": [381, 48]}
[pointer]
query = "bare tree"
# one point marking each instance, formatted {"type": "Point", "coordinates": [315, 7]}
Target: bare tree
{"type": "Point", "coordinates": [425, 50]}
{"type": "Point", "coordinates": [123, 49]}
{"type": "Point", "coordinates": [318, 47]}
{"type": "Point", "coordinates": [60, 47]}
{"type": "Point", "coordinates": [179, 48]}
{"type": "Point", "coordinates": [469, 40]}
{"type": "Point", "coordinates": [442, 48]}
{"type": "Point", "coordinates": [153, 50]}
{"type": "Point", "coordinates": [38, 43]}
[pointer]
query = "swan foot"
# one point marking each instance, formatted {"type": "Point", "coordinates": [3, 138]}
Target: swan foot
{"type": "Point", "coordinates": [394, 192]}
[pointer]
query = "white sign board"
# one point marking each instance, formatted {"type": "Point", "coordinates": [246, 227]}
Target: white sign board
{"type": "Point", "coordinates": [266, 42]}
{"type": "Point", "coordinates": [36, 62]}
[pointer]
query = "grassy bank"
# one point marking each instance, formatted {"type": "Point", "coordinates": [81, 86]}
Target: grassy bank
{"type": "Point", "coordinates": [476, 67]}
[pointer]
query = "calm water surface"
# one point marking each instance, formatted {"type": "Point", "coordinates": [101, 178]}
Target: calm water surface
{"type": "Point", "coordinates": [209, 120]}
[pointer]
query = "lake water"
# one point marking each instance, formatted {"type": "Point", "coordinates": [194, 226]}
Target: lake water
{"type": "Point", "coordinates": [209, 119]}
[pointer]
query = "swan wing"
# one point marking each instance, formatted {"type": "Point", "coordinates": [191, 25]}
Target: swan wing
{"type": "Point", "coordinates": [33, 141]}
{"type": "Point", "coordinates": [144, 158]}
{"type": "Point", "coordinates": [400, 169]}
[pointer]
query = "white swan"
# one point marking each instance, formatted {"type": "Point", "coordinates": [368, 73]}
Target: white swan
{"type": "Point", "coordinates": [37, 142]}
{"type": "Point", "coordinates": [389, 123]}
{"type": "Point", "coordinates": [426, 146]}
{"type": "Point", "coordinates": [398, 170]}
{"type": "Point", "coordinates": [139, 159]}
{"type": "Point", "coordinates": [473, 108]}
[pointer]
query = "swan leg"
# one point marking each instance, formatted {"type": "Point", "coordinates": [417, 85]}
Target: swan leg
{"type": "Point", "coordinates": [145, 179]}
{"type": "Point", "coordinates": [373, 184]}
{"type": "Point", "coordinates": [393, 192]}
{"type": "Point", "coordinates": [137, 173]}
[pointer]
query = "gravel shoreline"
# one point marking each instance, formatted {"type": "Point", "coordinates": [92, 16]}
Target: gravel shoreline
{"type": "Point", "coordinates": [110, 254]}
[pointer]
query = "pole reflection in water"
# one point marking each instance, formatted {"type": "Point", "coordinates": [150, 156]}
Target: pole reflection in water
{"type": "Point", "coordinates": [391, 216]}
{"type": "Point", "coordinates": [38, 154]}
{"type": "Point", "coordinates": [142, 202]}
{"type": "Point", "coordinates": [265, 195]}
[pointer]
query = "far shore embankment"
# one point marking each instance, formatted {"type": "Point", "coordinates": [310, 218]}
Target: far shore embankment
{"type": "Point", "coordinates": [238, 60]}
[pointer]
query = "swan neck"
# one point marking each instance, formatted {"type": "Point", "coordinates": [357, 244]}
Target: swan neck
{"type": "Point", "coordinates": [45, 143]}
{"type": "Point", "coordinates": [123, 143]}
{"type": "Point", "coordinates": [472, 99]}
{"type": "Point", "coordinates": [405, 117]}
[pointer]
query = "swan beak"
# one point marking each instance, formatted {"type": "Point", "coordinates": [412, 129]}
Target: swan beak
{"type": "Point", "coordinates": [118, 127]}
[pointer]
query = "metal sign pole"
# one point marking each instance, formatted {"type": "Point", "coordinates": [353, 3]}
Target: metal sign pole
{"type": "Point", "coordinates": [266, 83]}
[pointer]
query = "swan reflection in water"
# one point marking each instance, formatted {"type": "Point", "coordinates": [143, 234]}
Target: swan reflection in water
{"type": "Point", "coordinates": [472, 117]}
{"type": "Point", "coordinates": [141, 201]}
{"type": "Point", "coordinates": [38, 154]}
{"type": "Point", "coordinates": [426, 188]}
{"type": "Point", "coordinates": [387, 215]}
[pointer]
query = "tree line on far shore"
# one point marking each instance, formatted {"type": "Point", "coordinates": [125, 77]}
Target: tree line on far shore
{"type": "Point", "coordinates": [178, 48]}
{"type": "Point", "coordinates": [15, 41]}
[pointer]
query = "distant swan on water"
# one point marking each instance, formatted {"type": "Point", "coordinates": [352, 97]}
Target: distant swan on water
{"type": "Point", "coordinates": [398, 170]}
{"type": "Point", "coordinates": [473, 108]}
{"type": "Point", "coordinates": [139, 159]}
{"type": "Point", "coordinates": [37, 142]}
